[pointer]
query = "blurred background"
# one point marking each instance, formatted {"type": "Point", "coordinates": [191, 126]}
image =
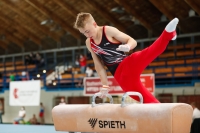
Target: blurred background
{"type": "Point", "coordinates": [38, 42]}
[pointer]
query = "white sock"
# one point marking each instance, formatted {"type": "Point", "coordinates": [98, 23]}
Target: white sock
{"type": "Point", "coordinates": [172, 25]}
{"type": "Point", "coordinates": [174, 38]}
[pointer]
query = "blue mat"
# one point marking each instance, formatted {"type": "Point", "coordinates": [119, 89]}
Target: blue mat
{"type": "Point", "coordinates": [10, 128]}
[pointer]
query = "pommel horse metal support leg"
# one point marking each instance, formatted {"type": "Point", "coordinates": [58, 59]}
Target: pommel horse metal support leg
{"type": "Point", "coordinates": [124, 118]}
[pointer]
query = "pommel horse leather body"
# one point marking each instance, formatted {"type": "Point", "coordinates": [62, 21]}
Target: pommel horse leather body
{"type": "Point", "coordinates": [133, 118]}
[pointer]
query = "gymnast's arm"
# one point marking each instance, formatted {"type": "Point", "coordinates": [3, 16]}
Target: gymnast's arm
{"type": "Point", "coordinates": [98, 65]}
{"type": "Point", "coordinates": [121, 37]}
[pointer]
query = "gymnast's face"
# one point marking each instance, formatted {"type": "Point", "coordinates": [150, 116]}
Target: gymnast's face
{"type": "Point", "coordinates": [90, 30]}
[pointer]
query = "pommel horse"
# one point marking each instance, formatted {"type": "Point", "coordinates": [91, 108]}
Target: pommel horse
{"type": "Point", "coordinates": [124, 117]}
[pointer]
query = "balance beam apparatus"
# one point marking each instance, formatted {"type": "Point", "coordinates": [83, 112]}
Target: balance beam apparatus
{"type": "Point", "coordinates": [123, 118]}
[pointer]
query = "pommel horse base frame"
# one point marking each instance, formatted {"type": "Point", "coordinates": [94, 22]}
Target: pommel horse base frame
{"type": "Point", "coordinates": [123, 118]}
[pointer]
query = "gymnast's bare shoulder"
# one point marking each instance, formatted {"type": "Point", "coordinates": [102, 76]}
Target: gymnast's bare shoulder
{"type": "Point", "coordinates": [117, 36]}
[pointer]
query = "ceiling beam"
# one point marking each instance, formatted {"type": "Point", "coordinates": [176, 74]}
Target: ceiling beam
{"type": "Point", "coordinates": [52, 15]}
{"type": "Point", "coordinates": [28, 34]}
{"type": "Point", "coordinates": [72, 11]}
{"type": "Point", "coordinates": [30, 19]}
{"type": "Point", "coordinates": [194, 4]}
{"type": "Point", "coordinates": [160, 6]}
{"type": "Point", "coordinates": [3, 42]}
{"type": "Point", "coordinates": [3, 45]}
{"type": "Point", "coordinates": [9, 35]}
{"type": "Point", "coordinates": [131, 10]}
{"type": "Point", "coordinates": [170, 13]}
{"type": "Point", "coordinates": [16, 24]}
{"type": "Point", "coordinates": [105, 14]}
{"type": "Point", "coordinates": [19, 28]}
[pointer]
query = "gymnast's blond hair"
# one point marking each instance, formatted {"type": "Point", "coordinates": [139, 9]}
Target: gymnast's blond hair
{"type": "Point", "coordinates": [81, 20]}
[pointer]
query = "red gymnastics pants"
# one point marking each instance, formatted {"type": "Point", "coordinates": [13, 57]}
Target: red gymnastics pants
{"type": "Point", "coordinates": [129, 71]}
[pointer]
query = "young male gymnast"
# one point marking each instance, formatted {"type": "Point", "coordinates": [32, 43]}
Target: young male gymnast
{"type": "Point", "coordinates": [107, 46]}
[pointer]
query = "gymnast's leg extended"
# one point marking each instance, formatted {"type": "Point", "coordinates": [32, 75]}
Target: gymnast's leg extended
{"type": "Point", "coordinates": [129, 71]}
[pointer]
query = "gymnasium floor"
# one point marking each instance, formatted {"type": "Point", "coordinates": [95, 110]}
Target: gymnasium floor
{"type": "Point", "coordinates": [9, 128]}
